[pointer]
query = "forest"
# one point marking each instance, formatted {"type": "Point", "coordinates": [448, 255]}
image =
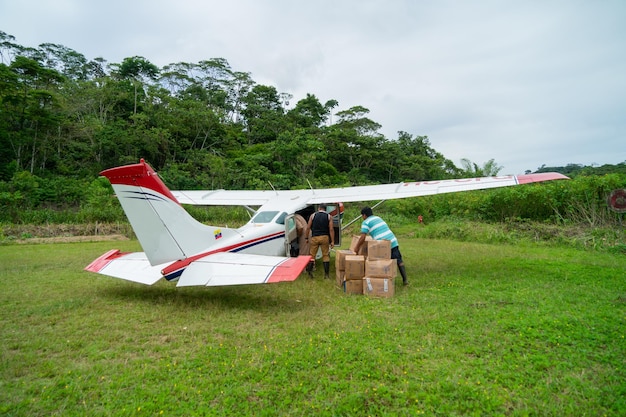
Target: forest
{"type": "Point", "coordinates": [201, 125]}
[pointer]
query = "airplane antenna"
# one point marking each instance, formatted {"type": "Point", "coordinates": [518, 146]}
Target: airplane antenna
{"type": "Point", "coordinates": [273, 187]}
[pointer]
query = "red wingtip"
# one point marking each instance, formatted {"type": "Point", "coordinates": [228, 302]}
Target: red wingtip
{"type": "Point", "coordinates": [103, 260]}
{"type": "Point", "coordinates": [544, 176]}
{"type": "Point", "coordinates": [290, 269]}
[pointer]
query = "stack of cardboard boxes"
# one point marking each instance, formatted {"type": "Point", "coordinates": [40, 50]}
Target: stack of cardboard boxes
{"type": "Point", "coordinates": [370, 272]}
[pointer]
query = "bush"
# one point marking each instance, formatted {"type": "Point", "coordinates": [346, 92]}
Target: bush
{"type": "Point", "coordinates": [100, 204]}
{"type": "Point", "coordinates": [585, 199]}
{"type": "Point", "coordinates": [578, 201]}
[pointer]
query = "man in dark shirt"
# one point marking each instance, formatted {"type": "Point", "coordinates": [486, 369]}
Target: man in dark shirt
{"type": "Point", "coordinates": [322, 235]}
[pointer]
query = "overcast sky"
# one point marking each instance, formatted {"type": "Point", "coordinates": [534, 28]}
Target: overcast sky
{"type": "Point", "coordinates": [525, 83]}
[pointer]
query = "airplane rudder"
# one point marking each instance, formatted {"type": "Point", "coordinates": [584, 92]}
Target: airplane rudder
{"type": "Point", "coordinates": [138, 175]}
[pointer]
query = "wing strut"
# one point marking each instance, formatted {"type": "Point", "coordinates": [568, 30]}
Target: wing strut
{"type": "Point", "coordinates": [374, 206]}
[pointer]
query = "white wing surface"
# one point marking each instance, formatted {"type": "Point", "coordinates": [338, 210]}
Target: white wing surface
{"type": "Point", "coordinates": [229, 197]}
{"type": "Point", "coordinates": [360, 193]}
{"type": "Point", "coordinates": [227, 268]}
{"type": "Point", "coordinates": [424, 188]}
{"type": "Point", "coordinates": [133, 266]}
{"type": "Point", "coordinates": [223, 268]}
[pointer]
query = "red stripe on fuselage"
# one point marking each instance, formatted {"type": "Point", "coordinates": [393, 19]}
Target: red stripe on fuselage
{"type": "Point", "coordinates": [184, 263]}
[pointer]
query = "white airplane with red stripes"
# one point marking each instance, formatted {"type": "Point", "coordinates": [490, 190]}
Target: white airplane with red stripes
{"type": "Point", "coordinates": [179, 248]}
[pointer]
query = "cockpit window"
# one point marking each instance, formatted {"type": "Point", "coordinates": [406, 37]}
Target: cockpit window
{"type": "Point", "coordinates": [264, 216]}
{"type": "Point", "coordinates": [281, 218]}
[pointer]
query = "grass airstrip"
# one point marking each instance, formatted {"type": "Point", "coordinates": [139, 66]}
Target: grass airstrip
{"type": "Point", "coordinates": [483, 329]}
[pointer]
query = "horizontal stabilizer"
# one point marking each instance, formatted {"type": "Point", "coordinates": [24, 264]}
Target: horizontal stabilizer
{"type": "Point", "coordinates": [129, 266]}
{"type": "Point", "coordinates": [227, 268]}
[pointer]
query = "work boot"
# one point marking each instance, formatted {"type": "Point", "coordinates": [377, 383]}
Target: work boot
{"type": "Point", "coordinates": [326, 270]}
{"type": "Point", "coordinates": [309, 269]}
{"type": "Point", "coordinates": [403, 273]}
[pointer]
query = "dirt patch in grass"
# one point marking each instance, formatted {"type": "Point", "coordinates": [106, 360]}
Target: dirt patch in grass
{"type": "Point", "coordinates": [51, 233]}
{"type": "Point", "coordinates": [69, 239]}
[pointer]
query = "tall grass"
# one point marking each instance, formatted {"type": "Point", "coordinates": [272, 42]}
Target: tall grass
{"type": "Point", "coordinates": [482, 330]}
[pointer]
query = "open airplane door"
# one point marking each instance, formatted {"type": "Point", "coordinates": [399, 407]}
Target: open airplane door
{"type": "Point", "coordinates": [291, 235]}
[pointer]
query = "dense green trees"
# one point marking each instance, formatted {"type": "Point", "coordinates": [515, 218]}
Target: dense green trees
{"type": "Point", "coordinates": [65, 115]}
{"type": "Point", "coordinates": [64, 118]}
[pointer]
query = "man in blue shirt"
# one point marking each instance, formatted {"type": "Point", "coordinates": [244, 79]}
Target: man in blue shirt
{"type": "Point", "coordinates": [379, 230]}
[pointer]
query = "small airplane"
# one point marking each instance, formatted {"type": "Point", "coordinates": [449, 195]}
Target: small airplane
{"type": "Point", "coordinates": [179, 248]}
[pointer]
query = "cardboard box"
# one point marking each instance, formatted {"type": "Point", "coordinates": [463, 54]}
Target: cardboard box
{"type": "Point", "coordinates": [355, 267]}
{"type": "Point", "coordinates": [381, 268]}
{"type": "Point", "coordinates": [354, 286]}
{"type": "Point", "coordinates": [340, 277]}
{"type": "Point", "coordinates": [340, 258]}
{"type": "Point", "coordinates": [379, 249]}
{"type": "Point", "coordinates": [363, 250]}
{"type": "Point", "coordinates": [379, 287]}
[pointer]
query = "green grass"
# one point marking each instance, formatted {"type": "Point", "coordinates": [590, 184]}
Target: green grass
{"type": "Point", "coordinates": [482, 330]}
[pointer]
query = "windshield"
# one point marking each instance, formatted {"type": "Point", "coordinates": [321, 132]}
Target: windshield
{"type": "Point", "coordinates": [264, 216]}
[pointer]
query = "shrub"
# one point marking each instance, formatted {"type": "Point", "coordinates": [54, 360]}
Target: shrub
{"type": "Point", "coordinates": [100, 204]}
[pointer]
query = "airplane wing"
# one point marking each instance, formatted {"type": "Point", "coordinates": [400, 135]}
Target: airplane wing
{"type": "Point", "coordinates": [131, 266]}
{"type": "Point", "coordinates": [424, 188]}
{"type": "Point", "coordinates": [219, 269]}
{"type": "Point", "coordinates": [228, 268]}
{"type": "Point", "coordinates": [228, 197]}
{"type": "Point", "coordinates": [360, 193]}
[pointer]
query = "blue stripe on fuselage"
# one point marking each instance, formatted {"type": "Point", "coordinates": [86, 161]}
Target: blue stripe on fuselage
{"type": "Point", "coordinates": [176, 274]}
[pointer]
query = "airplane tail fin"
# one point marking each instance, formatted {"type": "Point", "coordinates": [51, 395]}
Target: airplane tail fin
{"type": "Point", "coordinates": [166, 231]}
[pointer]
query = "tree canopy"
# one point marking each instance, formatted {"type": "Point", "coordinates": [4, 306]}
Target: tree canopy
{"type": "Point", "coordinates": [200, 124]}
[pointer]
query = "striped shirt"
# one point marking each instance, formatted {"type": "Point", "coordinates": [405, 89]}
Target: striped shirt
{"type": "Point", "coordinates": [378, 230]}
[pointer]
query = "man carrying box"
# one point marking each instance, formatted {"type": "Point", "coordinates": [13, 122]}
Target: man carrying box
{"type": "Point", "coordinates": [379, 230]}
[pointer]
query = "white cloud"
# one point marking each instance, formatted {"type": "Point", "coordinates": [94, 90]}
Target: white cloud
{"type": "Point", "coordinates": [525, 83]}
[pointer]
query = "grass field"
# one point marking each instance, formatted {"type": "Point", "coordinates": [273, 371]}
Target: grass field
{"type": "Point", "coordinates": [482, 330]}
